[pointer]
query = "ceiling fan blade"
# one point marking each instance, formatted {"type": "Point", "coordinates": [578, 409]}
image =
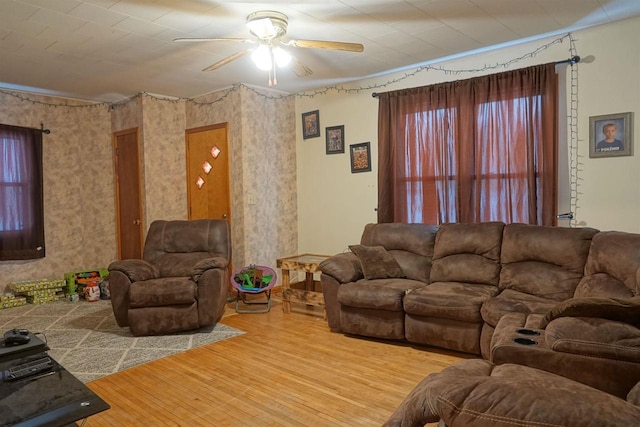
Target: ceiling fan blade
{"type": "Point", "coordinates": [206, 39]}
{"type": "Point", "coordinates": [226, 60]}
{"type": "Point", "coordinates": [319, 44]}
{"type": "Point", "coordinates": [299, 68]}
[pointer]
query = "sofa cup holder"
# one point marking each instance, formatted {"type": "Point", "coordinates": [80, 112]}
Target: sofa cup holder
{"type": "Point", "coordinates": [527, 332]}
{"type": "Point", "coordinates": [525, 341]}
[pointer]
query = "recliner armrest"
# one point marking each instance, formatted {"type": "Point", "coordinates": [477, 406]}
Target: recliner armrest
{"type": "Point", "coordinates": [136, 269]}
{"type": "Point", "coordinates": [594, 337]}
{"type": "Point", "coordinates": [617, 309]}
{"type": "Point", "coordinates": [208, 264]}
{"type": "Point", "coordinates": [344, 267]}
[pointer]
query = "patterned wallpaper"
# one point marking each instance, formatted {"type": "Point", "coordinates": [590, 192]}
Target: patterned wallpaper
{"type": "Point", "coordinates": [164, 168]}
{"type": "Point", "coordinates": [80, 222]}
{"type": "Point", "coordinates": [269, 165]}
{"type": "Point", "coordinates": [78, 185]}
{"type": "Point", "coordinates": [263, 165]}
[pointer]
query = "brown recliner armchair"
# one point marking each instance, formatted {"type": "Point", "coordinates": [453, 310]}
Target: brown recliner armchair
{"type": "Point", "coordinates": [180, 284]}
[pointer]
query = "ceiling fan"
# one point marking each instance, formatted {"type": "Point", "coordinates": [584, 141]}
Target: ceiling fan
{"type": "Point", "coordinates": [269, 27]}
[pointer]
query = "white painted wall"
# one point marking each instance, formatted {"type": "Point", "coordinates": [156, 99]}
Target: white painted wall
{"type": "Point", "coordinates": [610, 187]}
{"type": "Point", "coordinates": [334, 204]}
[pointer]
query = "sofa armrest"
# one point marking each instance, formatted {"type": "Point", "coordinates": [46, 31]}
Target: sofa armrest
{"type": "Point", "coordinates": [208, 264]}
{"type": "Point", "coordinates": [344, 267]}
{"type": "Point", "coordinates": [213, 287]}
{"type": "Point", "coordinates": [136, 269]}
{"type": "Point", "coordinates": [616, 309]}
{"type": "Point", "coordinates": [594, 337]}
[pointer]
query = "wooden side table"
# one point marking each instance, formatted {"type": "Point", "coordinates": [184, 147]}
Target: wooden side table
{"type": "Point", "coordinates": [308, 292]}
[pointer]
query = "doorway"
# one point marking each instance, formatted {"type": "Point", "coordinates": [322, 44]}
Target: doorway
{"type": "Point", "coordinates": [208, 188]}
{"type": "Point", "coordinates": [128, 201]}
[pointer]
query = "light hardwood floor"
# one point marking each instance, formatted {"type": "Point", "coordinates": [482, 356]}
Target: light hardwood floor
{"type": "Point", "coordinates": [287, 370]}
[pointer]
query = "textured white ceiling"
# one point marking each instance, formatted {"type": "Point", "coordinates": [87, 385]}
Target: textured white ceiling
{"type": "Point", "coordinates": [107, 50]}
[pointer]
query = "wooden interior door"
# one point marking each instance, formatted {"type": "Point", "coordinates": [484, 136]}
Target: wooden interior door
{"type": "Point", "coordinates": [128, 194]}
{"type": "Point", "coordinates": [208, 189]}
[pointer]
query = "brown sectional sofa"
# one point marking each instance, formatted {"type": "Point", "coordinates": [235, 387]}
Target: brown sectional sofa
{"type": "Point", "coordinates": [461, 279]}
{"type": "Point", "coordinates": [562, 304]}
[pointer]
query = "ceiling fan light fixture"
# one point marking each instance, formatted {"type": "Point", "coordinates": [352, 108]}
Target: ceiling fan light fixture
{"type": "Point", "coordinates": [281, 57]}
{"type": "Point", "coordinates": [267, 24]}
{"type": "Point", "coordinates": [262, 28]}
{"type": "Point", "coordinates": [262, 57]}
{"type": "Point", "coordinates": [268, 27]}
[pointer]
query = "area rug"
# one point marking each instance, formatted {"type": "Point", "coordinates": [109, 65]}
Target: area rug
{"type": "Point", "coordinates": [85, 338]}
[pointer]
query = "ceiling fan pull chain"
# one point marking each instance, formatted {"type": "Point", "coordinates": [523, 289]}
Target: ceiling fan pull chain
{"type": "Point", "coordinates": [273, 65]}
{"type": "Point", "coordinates": [272, 69]}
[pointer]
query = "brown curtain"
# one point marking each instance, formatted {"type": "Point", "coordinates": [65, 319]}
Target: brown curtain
{"type": "Point", "coordinates": [482, 149]}
{"type": "Point", "coordinates": [21, 201]}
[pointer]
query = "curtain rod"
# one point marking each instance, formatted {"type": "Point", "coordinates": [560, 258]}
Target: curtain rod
{"type": "Point", "coordinates": [41, 129]}
{"type": "Point", "coordinates": [573, 60]}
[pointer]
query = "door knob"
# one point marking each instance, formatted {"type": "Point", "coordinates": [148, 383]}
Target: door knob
{"type": "Point", "coordinates": [136, 221]}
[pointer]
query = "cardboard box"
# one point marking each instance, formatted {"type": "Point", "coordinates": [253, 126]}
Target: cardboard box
{"type": "Point", "coordinates": [38, 291]}
{"type": "Point", "coordinates": [77, 280]}
{"type": "Point", "coordinates": [35, 285]}
{"type": "Point", "coordinates": [9, 300]}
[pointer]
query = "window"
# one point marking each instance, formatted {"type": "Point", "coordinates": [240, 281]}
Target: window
{"type": "Point", "coordinates": [482, 149]}
{"type": "Point", "coordinates": [21, 204]}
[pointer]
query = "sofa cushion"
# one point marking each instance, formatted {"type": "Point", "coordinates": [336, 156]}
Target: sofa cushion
{"type": "Point", "coordinates": [410, 244]}
{"type": "Point", "coordinates": [613, 266]}
{"type": "Point", "coordinates": [621, 310]}
{"type": "Point", "coordinates": [468, 253]}
{"type": "Point", "coordinates": [544, 261]}
{"type": "Point", "coordinates": [449, 300]}
{"type": "Point", "coordinates": [381, 294]}
{"type": "Point", "coordinates": [179, 264]}
{"type": "Point", "coordinates": [376, 262]}
{"type": "Point", "coordinates": [162, 292]}
{"type": "Point", "coordinates": [602, 285]}
{"type": "Point", "coordinates": [177, 236]}
{"type": "Point", "coordinates": [510, 301]}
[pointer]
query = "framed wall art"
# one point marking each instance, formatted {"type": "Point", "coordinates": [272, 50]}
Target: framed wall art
{"type": "Point", "coordinates": [311, 124]}
{"type": "Point", "coordinates": [360, 157]}
{"type": "Point", "coordinates": [335, 139]}
{"type": "Point", "coordinates": [611, 135]}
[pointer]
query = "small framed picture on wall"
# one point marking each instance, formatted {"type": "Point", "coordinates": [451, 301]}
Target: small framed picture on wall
{"type": "Point", "coordinates": [611, 135]}
{"type": "Point", "coordinates": [360, 157]}
{"type": "Point", "coordinates": [335, 139]}
{"type": "Point", "coordinates": [311, 124]}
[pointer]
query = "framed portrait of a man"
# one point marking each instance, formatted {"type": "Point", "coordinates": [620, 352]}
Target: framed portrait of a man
{"type": "Point", "coordinates": [611, 135]}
